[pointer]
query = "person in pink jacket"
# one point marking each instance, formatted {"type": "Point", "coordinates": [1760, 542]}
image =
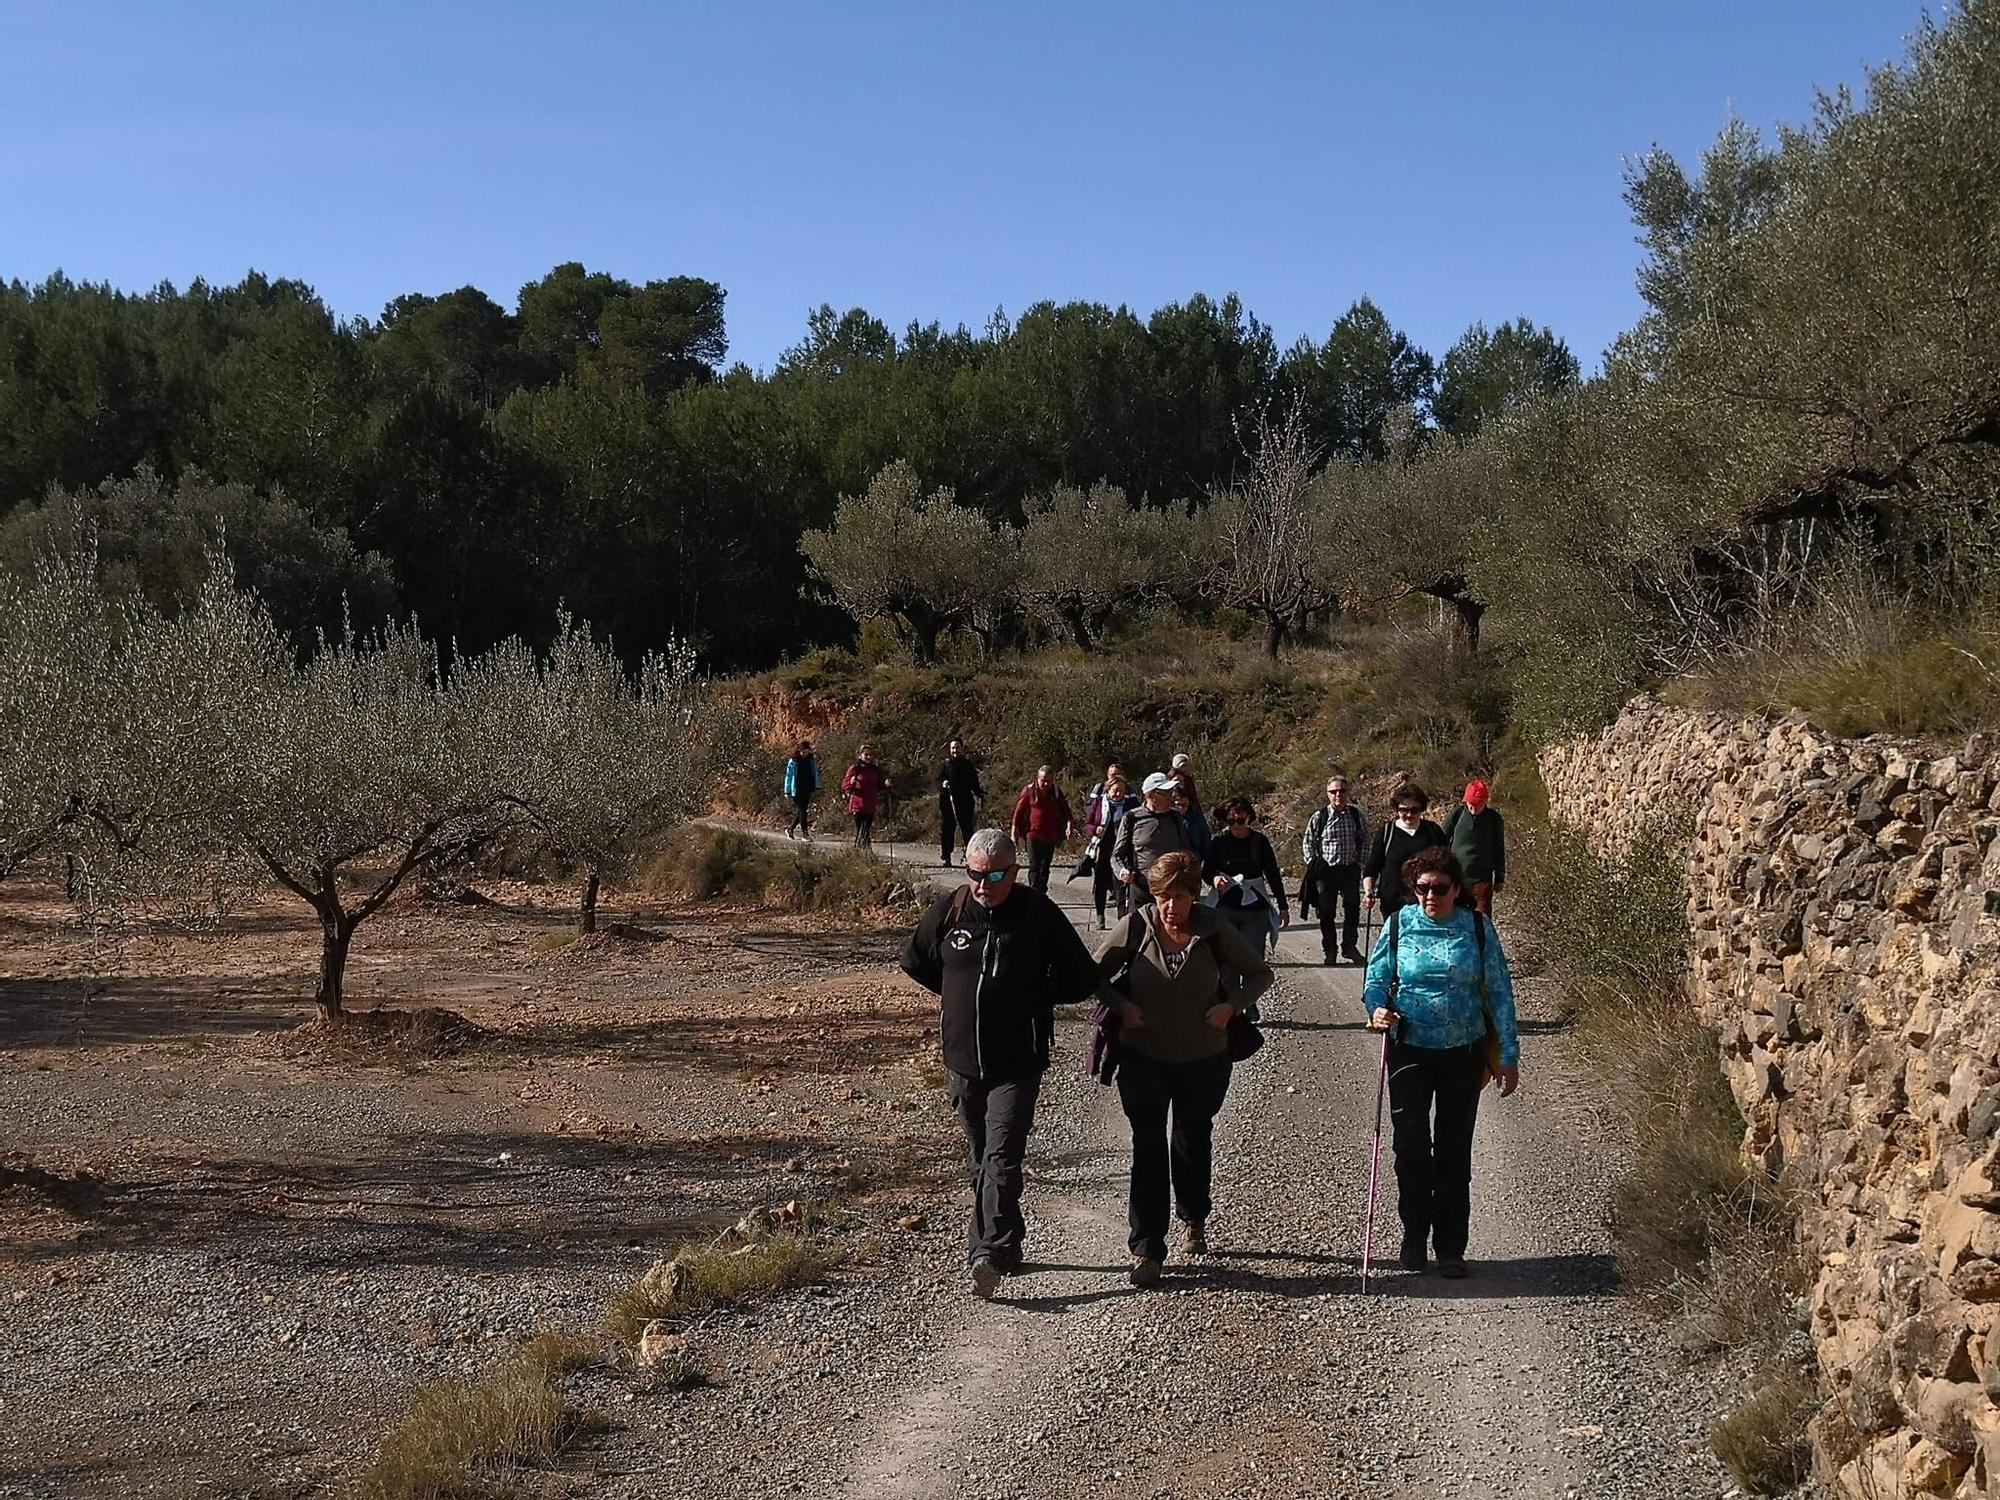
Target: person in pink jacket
{"type": "Point", "coordinates": [864, 783]}
{"type": "Point", "coordinates": [1042, 821]}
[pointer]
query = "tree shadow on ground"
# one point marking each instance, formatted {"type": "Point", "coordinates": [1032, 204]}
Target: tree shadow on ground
{"type": "Point", "coordinates": [852, 1041]}
{"type": "Point", "coordinates": [1496, 1280]}
{"type": "Point", "coordinates": [451, 1202]}
{"type": "Point", "coordinates": [59, 1014]}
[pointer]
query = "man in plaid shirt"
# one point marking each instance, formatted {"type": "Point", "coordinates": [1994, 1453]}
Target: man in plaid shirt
{"type": "Point", "coordinates": [1332, 847]}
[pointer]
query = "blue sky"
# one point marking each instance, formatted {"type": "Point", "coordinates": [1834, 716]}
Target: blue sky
{"type": "Point", "coordinates": [1453, 160]}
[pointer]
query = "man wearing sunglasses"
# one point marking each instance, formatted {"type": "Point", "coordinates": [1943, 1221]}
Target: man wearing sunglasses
{"type": "Point", "coordinates": [1000, 956]}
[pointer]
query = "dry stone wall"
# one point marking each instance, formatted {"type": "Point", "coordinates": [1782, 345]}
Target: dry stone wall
{"type": "Point", "coordinates": [1844, 899]}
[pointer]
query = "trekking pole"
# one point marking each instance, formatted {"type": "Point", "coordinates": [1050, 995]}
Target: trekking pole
{"type": "Point", "coordinates": [1375, 1165]}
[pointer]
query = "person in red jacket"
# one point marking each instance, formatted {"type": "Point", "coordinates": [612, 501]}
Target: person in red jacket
{"type": "Point", "coordinates": [864, 783]}
{"type": "Point", "coordinates": [1042, 821]}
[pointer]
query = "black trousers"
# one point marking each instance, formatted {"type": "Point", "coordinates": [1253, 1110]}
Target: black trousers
{"type": "Point", "coordinates": [1105, 886]}
{"type": "Point", "coordinates": [1040, 857]}
{"type": "Point", "coordinates": [802, 809]}
{"type": "Point", "coordinates": [1339, 889]}
{"type": "Point", "coordinates": [864, 830]}
{"type": "Point", "coordinates": [1163, 1158]}
{"type": "Point", "coordinates": [997, 1114]}
{"type": "Point", "coordinates": [954, 824]}
{"type": "Point", "coordinates": [1434, 1157]}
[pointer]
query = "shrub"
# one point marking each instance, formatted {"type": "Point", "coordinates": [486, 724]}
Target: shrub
{"type": "Point", "coordinates": [722, 1273]}
{"type": "Point", "coordinates": [1763, 1443]}
{"type": "Point", "coordinates": [701, 863]}
{"type": "Point", "coordinates": [456, 1429]}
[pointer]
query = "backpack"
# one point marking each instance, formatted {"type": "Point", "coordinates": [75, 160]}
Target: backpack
{"type": "Point", "coordinates": [1489, 1045]}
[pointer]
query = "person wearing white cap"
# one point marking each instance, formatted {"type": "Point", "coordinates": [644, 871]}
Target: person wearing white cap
{"type": "Point", "coordinates": [1182, 771]}
{"type": "Point", "coordinates": [1146, 833]}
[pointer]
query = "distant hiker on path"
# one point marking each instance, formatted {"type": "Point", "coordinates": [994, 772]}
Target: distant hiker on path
{"type": "Point", "coordinates": [1410, 834]}
{"type": "Point", "coordinates": [1110, 800]}
{"type": "Point", "coordinates": [1182, 770]}
{"type": "Point", "coordinates": [1000, 958]}
{"type": "Point", "coordinates": [1438, 982]}
{"type": "Point", "coordinates": [1335, 843]}
{"type": "Point", "coordinates": [1242, 869]}
{"type": "Point", "coordinates": [1145, 834]}
{"type": "Point", "coordinates": [801, 785]}
{"type": "Point", "coordinates": [1478, 836]}
{"type": "Point", "coordinates": [864, 783]}
{"type": "Point", "coordinates": [958, 790]}
{"type": "Point", "coordinates": [1043, 822]}
{"type": "Point", "coordinates": [1187, 971]}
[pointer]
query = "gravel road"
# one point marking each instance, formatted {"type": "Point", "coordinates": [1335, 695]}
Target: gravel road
{"type": "Point", "coordinates": [251, 1327]}
{"type": "Point", "coordinates": [1264, 1370]}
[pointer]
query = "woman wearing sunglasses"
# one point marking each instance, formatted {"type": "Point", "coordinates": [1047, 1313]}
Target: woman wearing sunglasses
{"type": "Point", "coordinates": [1410, 834]}
{"type": "Point", "coordinates": [1438, 984]}
{"type": "Point", "coordinates": [1243, 870]}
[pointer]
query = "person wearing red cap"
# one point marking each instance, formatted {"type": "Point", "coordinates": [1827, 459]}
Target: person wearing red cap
{"type": "Point", "coordinates": [1478, 836]}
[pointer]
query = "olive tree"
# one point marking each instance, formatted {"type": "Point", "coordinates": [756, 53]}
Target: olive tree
{"type": "Point", "coordinates": [923, 562]}
{"type": "Point", "coordinates": [59, 643]}
{"type": "Point", "coordinates": [596, 759]}
{"type": "Point", "coordinates": [1086, 554]}
{"type": "Point", "coordinates": [342, 775]}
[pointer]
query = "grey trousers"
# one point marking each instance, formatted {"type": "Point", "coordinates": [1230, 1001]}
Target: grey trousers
{"type": "Point", "coordinates": [997, 1114]}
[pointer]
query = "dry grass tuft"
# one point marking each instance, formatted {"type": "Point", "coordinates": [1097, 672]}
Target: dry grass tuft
{"type": "Point", "coordinates": [1763, 1443]}
{"type": "Point", "coordinates": [722, 1273]}
{"type": "Point", "coordinates": [460, 1435]}
{"type": "Point", "coordinates": [560, 1354]}
{"type": "Point", "coordinates": [700, 863]}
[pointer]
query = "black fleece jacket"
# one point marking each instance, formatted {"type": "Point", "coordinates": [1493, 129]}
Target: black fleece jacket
{"type": "Point", "coordinates": [999, 974]}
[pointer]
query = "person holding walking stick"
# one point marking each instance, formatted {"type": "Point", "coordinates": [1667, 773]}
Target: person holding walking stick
{"type": "Point", "coordinates": [1438, 980]}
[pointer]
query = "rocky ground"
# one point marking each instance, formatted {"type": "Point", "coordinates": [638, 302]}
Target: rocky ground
{"type": "Point", "coordinates": [275, 1246]}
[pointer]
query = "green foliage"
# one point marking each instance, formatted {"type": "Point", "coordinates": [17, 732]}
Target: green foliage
{"type": "Point", "coordinates": [153, 542]}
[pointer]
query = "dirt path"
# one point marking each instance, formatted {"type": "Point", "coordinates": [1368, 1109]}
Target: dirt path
{"type": "Point", "coordinates": [1265, 1369]}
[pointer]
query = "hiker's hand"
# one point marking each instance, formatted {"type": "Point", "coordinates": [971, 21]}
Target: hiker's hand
{"type": "Point", "coordinates": [1383, 1020]}
{"type": "Point", "coordinates": [1219, 1014]}
{"type": "Point", "coordinates": [1222, 883]}
{"type": "Point", "coordinates": [1133, 1017]}
{"type": "Point", "coordinates": [1128, 877]}
{"type": "Point", "coordinates": [1510, 1080]}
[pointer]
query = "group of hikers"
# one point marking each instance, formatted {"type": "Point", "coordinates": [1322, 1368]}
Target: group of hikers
{"type": "Point", "coordinates": [1194, 911]}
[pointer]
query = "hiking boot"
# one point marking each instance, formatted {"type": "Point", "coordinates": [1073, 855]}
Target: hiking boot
{"type": "Point", "coordinates": [1413, 1253]}
{"type": "Point", "coordinates": [1101, 925]}
{"type": "Point", "coordinates": [1352, 956]}
{"type": "Point", "coordinates": [1145, 1271]}
{"type": "Point", "coordinates": [985, 1277]}
{"type": "Point", "coordinates": [1453, 1267]}
{"type": "Point", "coordinates": [1197, 1238]}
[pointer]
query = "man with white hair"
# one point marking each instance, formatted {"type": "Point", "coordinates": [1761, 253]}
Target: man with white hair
{"type": "Point", "coordinates": [1146, 833]}
{"type": "Point", "coordinates": [1000, 957]}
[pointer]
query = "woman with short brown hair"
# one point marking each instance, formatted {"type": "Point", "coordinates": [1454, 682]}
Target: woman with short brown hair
{"type": "Point", "coordinates": [1186, 972]}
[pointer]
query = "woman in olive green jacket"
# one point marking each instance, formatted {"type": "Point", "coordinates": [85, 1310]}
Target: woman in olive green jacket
{"type": "Point", "coordinates": [1189, 972]}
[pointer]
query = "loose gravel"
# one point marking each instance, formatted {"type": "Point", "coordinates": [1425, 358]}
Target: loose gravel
{"type": "Point", "coordinates": [263, 1354]}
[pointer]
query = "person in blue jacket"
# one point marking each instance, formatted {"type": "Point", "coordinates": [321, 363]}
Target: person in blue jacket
{"type": "Point", "coordinates": [801, 785]}
{"type": "Point", "coordinates": [1438, 983]}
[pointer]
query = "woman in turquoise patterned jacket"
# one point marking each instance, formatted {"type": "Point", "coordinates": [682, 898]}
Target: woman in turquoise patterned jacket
{"type": "Point", "coordinates": [1438, 982]}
